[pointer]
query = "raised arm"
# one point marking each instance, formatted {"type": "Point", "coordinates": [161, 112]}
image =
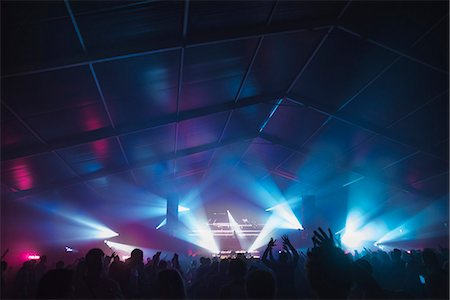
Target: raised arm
{"type": "Point", "coordinates": [268, 251]}
{"type": "Point", "coordinates": [294, 252]}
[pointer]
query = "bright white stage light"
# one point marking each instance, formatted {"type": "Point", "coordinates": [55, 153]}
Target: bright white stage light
{"type": "Point", "coordinates": [161, 224]}
{"type": "Point", "coordinates": [104, 233]}
{"type": "Point", "coordinates": [183, 209]}
{"type": "Point", "coordinates": [352, 239]}
{"type": "Point", "coordinates": [119, 246]}
{"type": "Point", "coordinates": [287, 218]}
{"type": "Point", "coordinates": [234, 225]}
{"type": "Point", "coordinates": [68, 249]}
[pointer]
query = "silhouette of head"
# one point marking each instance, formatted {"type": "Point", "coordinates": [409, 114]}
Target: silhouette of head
{"type": "Point", "coordinates": [430, 259]}
{"type": "Point", "coordinates": [137, 256]}
{"type": "Point", "coordinates": [170, 285]}
{"type": "Point", "coordinates": [94, 262]}
{"type": "Point", "coordinates": [260, 285]}
{"type": "Point", "coordinates": [43, 259]}
{"type": "Point", "coordinates": [396, 254]}
{"type": "Point", "coordinates": [162, 264]}
{"type": "Point", "coordinates": [237, 268]}
{"type": "Point", "coordinates": [55, 284]}
{"type": "Point", "coordinates": [60, 264]}
{"type": "Point", "coordinates": [223, 266]}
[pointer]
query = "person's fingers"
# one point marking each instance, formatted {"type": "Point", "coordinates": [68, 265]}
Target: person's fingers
{"type": "Point", "coordinates": [318, 236]}
{"type": "Point", "coordinates": [315, 241]}
{"type": "Point", "coordinates": [331, 234]}
{"type": "Point", "coordinates": [323, 233]}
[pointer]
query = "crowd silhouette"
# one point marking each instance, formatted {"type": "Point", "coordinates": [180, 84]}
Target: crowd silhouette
{"type": "Point", "coordinates": [325, 271]}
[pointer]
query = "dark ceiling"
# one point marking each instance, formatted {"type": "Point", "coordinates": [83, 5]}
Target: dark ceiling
{"type": "Point", "coordinates": [159, 94]}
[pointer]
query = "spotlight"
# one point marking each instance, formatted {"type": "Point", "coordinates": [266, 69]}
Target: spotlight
{"type": "Point", "coordinates": [161, 224]}
{"type": "Point", "coordinates": [183, 209]}
{"type": "Point", "coordinates": [286, 217]}
{"type": "Point", "coordinates": [234, 225]}
{"type": "Point", "coordinates": [68, 249]}
{"type": "Point", "coordinates": [33, 257]}
{"type": "Point", "coordinates": [351, 239]}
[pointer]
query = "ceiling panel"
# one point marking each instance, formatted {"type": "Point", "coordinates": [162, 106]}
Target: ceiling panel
{"type": "Point", "coordinates": [397, 24]}
{"type": "Point", "coordinates": [35, 171]}
{"type": "Point", "coordinates": [317, 12]}
{"type": "Point", "coordinates": [441, 150]}
{"type": "Point", "coordinates": [194, 162]}
{"type": "Point", "coordinates": [306, 168]}
{"type": "Point", "coordinates": [36, 34]}
{"type": "Point", "coordinates": [31, 12]}
{"type": "Point", "coordinates": [424, 127]}
{"type": "Point", "coordinates": [129, 28]}
{"type": "Point", "coordinates": [255, 172]}
{"type": "Point", "coordinates": [206, 18]}
{"type": "Point", "coordinates": [212, 74]}
{"type": "Point", "coordinates": [433, 48]}
{"type": "Point", "coordinates": [116, 185]}
{"type": "Point", "coordinates": [415, 168]}
{"type": "Point", "coordinates": [94, 157]}
{"type": "Point", "coordinates": [152, 174]}
{"type": "Point", "coordinates": [376, 153]}
{"type": "Point", "coordinates": [199, 131]}
{"type": "Point", "coordinates": [14, 135]}
{"type": "Point", "coordinates": [279, 60]}
{"type": "Point", "coordinates": [334, 139]}
{"type": "Point", "coordinates": [434, 187]}
{"type": "Point", "coordinates": [62, 125]}
{"type": "Point", "coordinates": [96, 6]}
{"type": "Point", "coordinates": [138, 90]}
{"type": "Point", "coordinates": [50, 91]}
{"type": "Point", "coordinates": [403, 88]}
{"type": "Point", "coordinates": [332, 180]}
{"type": "Point", "coordinates": [247, 120]}
{"type": "Point", "coordinates": [294, 123]}
{"type": "Point", "coordinates": [343, 65]}
{"type": "Point", "coordinates": [229, 155]}
{"type": "Point", "coordinates": [265, 154]}
{"type": "Point", "coordinates": [149, 144]}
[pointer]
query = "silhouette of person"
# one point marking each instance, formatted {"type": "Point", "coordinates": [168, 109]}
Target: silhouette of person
{"type": "Point", "coordinates": [93, 284]}
{"type": "Point", "coordinates": [170, 285]}
{"type": "Point", "coordinates": [260, 285]}
{"type": "Point", "coordinates": [56, 284]}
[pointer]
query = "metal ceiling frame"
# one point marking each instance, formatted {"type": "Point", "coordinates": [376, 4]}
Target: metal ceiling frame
{"type": "Point", "coordinates": [303, 68]}
{"type": "Point", "coordinates": [296, 149]}
{"type": "Point", "coordinates": [188, 42]}
{"type": "Point", "coordinates": [376, 132]}
{"type": "Point", "coordinates": [133, 166]}
{"type": "Point", "coordinates": [244, 79]}
{"type": "Point", "coordinates": [155, 123]}
{"type": "Point", "coordinates": [207, 39]}
{"type": "Point", "coordinates": [180, 116]}
{"type": "Point", "coordinates": [180, 78]}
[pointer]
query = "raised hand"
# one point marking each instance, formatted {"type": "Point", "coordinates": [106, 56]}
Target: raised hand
{"type": "Point", "coordinates": [321, 239]}
{"type": "Point", "coordinates": [285, 240]}
{"type": "Point", "coordinates": [271, 243]}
